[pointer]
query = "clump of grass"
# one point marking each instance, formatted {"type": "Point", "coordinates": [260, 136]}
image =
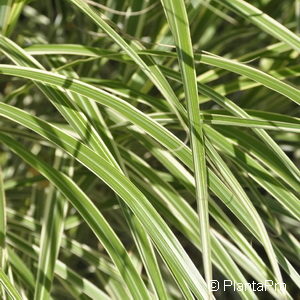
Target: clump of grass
{"type": "Point", "coordinates": [149, 148]}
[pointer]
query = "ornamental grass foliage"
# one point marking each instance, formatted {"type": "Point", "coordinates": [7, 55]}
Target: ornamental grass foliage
{"type": "Point", "coordinates": [149, 149]}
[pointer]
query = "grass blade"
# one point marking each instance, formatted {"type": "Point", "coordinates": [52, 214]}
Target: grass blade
{"type": "Point", "coordinates": [178, 21]}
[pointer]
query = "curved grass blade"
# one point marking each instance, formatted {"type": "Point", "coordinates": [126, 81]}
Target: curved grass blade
{"type": "Point", "coordinates": [140, 237]}
{"type": "Point", "coordinates": [151, 127]}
